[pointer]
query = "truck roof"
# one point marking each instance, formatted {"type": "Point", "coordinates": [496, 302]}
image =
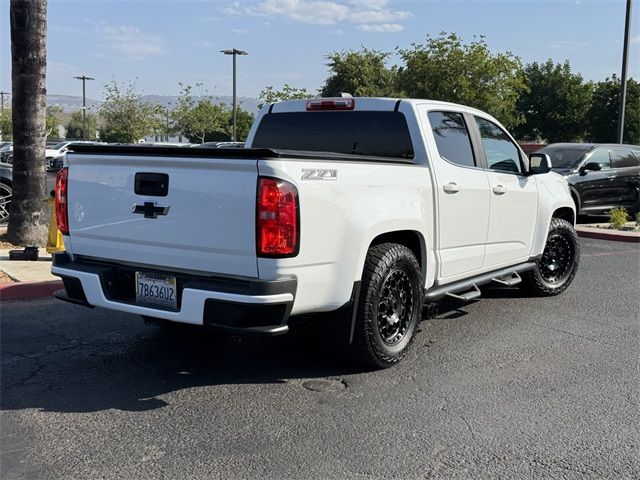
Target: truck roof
{"type": "Point", "coordinates": [370, 103]}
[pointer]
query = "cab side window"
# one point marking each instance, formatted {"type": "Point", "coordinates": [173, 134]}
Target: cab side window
{"type": "Point", "coordinates": [601, 157]}
{"type": "Point", "coordinates": [452, 138]}
{"type": "Point", "coordinates": [623, 159]}
{"type": "Point", "coordinates": [501, 153]}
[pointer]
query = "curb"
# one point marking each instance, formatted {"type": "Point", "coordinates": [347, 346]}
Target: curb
{"type": "Point", "coordinates": [27, 290]}
{"type": "Point", "coordinates": [586, 232]}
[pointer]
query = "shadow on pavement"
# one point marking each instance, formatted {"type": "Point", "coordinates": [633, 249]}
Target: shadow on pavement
{"type": "Point", "coordinates": [92, 365]}
{"type": "Point", "coordinates": [62, 358]}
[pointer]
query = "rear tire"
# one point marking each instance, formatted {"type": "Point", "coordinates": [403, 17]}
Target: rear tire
{"type": "Point", "coordinates": [389, 307]}
{"type": "Point", "coordinates": [556, 269]}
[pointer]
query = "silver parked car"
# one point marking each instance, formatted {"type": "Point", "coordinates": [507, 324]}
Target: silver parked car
{"type": "Point", "coordinates": [6, 152]}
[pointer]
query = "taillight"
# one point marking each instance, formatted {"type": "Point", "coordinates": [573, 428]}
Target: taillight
{"type": "Point", "coordinates": [62, 217]}
{"type": "Point", "coordinates": [277, 222]}
{"type": "Point", "coordinates": [331, 104]}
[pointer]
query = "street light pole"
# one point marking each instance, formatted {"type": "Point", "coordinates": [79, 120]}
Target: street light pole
{"type": "Point", "coordinates": [84, 105]}
{"type": "Point", "coordinates": [168, 105]}
{"type": "Point", "coordinates": [2, 94]}
{"type": "Point", "coordinates": [623, 79]}
{"type": "Point", "coordinates": [234, 52]}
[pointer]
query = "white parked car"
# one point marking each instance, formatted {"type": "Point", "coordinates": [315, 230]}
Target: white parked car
{"type": "Point", "coordinates": [360, 207]}
{"type": "Point", "coordinates": [55, 154]}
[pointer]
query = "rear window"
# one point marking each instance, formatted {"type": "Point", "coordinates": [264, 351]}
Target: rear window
{"type": "Point", "coordinates": [452, 137]}
{"type": "Point", "coordinates": [624, 159]}
{"type": "Point", "coordinates": [380, 134]}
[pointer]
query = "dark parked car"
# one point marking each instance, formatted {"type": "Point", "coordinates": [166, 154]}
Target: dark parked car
{"type": "Point", "coordinates": [601, 176]}
{"type": "Point", "coordinates": [6, 152]}
{"type": "Point", "coordinates": [6, 177]}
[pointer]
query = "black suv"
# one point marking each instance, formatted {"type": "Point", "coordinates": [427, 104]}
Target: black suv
{"type": "Point", "coordinates": [601, 176]}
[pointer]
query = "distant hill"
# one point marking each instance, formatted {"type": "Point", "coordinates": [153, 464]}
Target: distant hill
{"type": "Point", "coordinates": [70, 103]}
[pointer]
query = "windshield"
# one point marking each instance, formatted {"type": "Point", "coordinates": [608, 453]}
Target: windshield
{"type": "Point", "coordinates": [564, 157]}
{"type": "Point", "coordinates": [58, 146]}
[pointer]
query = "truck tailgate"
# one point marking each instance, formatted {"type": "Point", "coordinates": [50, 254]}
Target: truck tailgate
{"type": "Point", "coordinates": [204, 223]}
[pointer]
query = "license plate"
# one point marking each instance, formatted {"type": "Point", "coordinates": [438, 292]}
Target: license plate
{"type": "Point", "coordinates": [156, 290]}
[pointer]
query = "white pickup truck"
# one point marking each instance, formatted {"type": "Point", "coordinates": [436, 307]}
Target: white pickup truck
{"type": "Point", "coordinates": [368, 208]}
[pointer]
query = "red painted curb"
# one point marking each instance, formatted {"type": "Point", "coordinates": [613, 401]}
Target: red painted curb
{"type": "Point", "coordinates": [616, 237]}
{"type": "Point", "coordinates": [25, 290]}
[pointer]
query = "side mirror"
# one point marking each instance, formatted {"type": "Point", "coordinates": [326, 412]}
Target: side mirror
{"type": "Point", "coordinates": [539, 163]}
{"type": "Point", "coordinates": [590, 167]}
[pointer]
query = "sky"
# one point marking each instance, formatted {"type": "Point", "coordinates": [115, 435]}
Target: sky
{"type": "Point", "coordinates": [159, 43]}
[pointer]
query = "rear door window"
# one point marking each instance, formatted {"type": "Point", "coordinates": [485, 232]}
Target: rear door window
{"type": "Point", "coordinates": [452, 138]}
{"type": "Point", "coordinates": [623, 158]}
{"type": "Point", "coordinates": [501, 153]}
{"type": "Point", "coordinates": [370, 133]}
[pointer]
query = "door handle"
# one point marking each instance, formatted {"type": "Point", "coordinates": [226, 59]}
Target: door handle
{"type": "Point", "coordinates": [499, 190]}
{"type": "Point", "coordinates": [611, 176]}
{"type": "Point", "coordinates": [152, 184]}
{"type": "Point", "coordinates": [451, 188]}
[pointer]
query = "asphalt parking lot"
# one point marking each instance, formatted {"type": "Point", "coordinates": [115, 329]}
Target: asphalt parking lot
{"type": "Point", "coordinates": [508, 387]}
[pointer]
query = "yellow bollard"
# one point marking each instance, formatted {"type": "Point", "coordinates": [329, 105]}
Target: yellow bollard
{"type": "Point", "coordinates": [54, 242]}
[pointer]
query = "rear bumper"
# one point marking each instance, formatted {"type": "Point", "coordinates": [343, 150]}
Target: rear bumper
{"type": "Point", "coordinates": [238, 306]}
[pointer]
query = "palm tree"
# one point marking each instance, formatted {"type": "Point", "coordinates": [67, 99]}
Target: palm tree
{"type": "Point", "coordinates": [28, 216]}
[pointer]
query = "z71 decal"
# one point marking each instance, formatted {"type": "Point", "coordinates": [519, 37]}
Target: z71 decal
{"type": "Point", "coordinates": [319, 174]}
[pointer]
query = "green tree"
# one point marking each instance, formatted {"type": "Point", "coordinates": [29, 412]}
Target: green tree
{"type": "Point", "coordinates": [52, 120]}
{"type": "Point", "coordinates": [557, 103]}
{"type": "Point", "coordinates": [603, 115]}
{"type": "Point", "coordinates": [362, 73]}
{"type": "Point", "coordinates": [28, 217]}
{"type": "Point", "coordinates": [200, 118]}
{"type": "Point", "coordinates": [270, 94]}
{"type": "Point", "coordinates": [127, 118]}
{"type": "Point", "coordinates": [244, 120]}
{"type": "Point", "coordinates": [445, 68]}
{"type": "Point", "coordinates": [74, 127]}
{"type": "Point", "coordinates": [6, 129]}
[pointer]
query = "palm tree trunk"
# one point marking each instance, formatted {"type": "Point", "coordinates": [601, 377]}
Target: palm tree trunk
{"type": "Point", "coordinates": [28, 216]}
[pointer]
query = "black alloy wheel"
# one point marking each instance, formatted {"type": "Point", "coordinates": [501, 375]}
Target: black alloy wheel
{"type": "Point", "coordinates": [389, 308]}
{"type": "Point", "coordinates": [5, 202]}
{"type": "Point", "coordinates": [395, 307]}
{"type": "Point", "coordinates": [558, 265]}
{"type": "Point", "coordinates": [558, 256]}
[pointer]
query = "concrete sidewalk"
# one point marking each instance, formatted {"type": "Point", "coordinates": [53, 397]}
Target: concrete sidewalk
{"type": "Point", "coordinates": [27, 279]}
{"type": "Point", "coordinates": [27, 271]}
{"type": "Point", "coordinates": [603, 232]}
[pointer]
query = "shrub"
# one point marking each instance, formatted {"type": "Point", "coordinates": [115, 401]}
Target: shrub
{"type": "Point", "coordinates": [618, 217]}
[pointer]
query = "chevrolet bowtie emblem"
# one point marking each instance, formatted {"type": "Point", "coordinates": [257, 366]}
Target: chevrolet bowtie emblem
{"type": "Point", "coordinates": [150, 210]}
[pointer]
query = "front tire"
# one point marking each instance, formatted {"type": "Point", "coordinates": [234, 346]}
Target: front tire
{"type": "Point", "coordinates": [557, 268]}
{"type": "Point", "coordinates": [389, 307]}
